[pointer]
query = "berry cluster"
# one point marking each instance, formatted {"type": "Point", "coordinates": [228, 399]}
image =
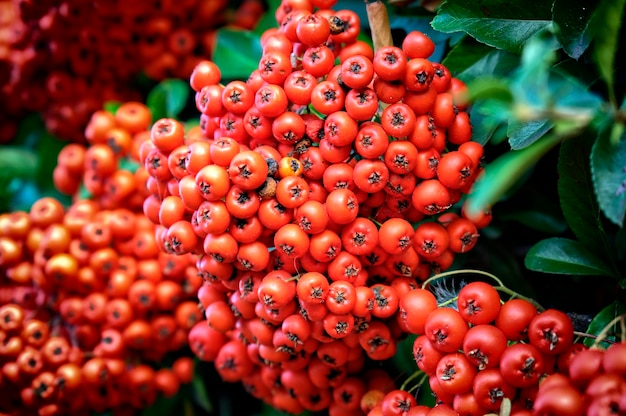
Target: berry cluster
{"type": "Point", "coordinates": [593, 384]}
{"type": "Point", "coordinates": [111, 44]}
{"type": "Point", "coordinates": [302, 200]}
{"type": "Point", "coordinates": [108, 304]}
{"type": "Point", "coordinates": [484, 353]}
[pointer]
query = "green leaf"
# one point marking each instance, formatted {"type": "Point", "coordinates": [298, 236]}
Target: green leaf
{"type": "Point", "coordinates": [484, 127]}
{"type": "Point", "coordinates": [199, 391]}
{"type": "Point", "coordinates": [111, 106]}
{"type": "Point", "coordinates": [500, 175]}
{"type": "Point", "coordinates": [565, 256]}
{"type": "Point", "coordinates": [522, 135]}
{"type": "Point", "coordinates": [503, 25]}
{"type": "Point", "coordinates": [602, 320]}
{"type": "Point", "coordinates": [571, 18]}
{"type": "Point", "coordinates": [268, 20]}
{"type": "Point", "coordinates": [538, 220]}
{"type": "Point", "coordinates": [18, 162]}
{"type": "Point", "coordinates": [576, 196]}
{"type": "Point", "coordinates": [496, 63]}
{"type": "Point", "coordinates": [237, 53]}
{"type": "Point", "coordinates": [608, 171]}
{"type": "Point", "coordinates": [168, 98]}
{"type": "Point", "coordinates": [605, 27]}
{"type": "Point", "coordinates": [164, 406]}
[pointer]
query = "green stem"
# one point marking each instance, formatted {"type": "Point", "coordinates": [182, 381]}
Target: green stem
{"type": "Point", "coordinates": [605, 331]}
{"type": "Point", "coordinates": [418, 373]}
{"type": "Point", "coordinates": [461, 271]}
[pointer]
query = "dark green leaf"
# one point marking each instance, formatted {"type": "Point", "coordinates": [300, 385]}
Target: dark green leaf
{"type": "Point", "coordinates": [503, 25]}
{"type": "Point", "coordinates": [111, 106]}
{"type": "Point", "coordinates": [237, 53]}
{"type": "Point", "coordinates": [608, 171]}
{"type": "Point", "coordinates": [268, 20]}
{"type": "Point", "coordinates": [502, 174]}
{"type": "Point", "coordinates": [18, 162]}
{"type": "Point", "coordinates": [565, 256]}
{"type": "Point", "coordinates": [576, 194]}
{"type": "Point", "coordinates": [496, 63]}
{"type": "Point", "coordinates": [168, 98]}
{"type": "Point", "coordinates": [403, 359]}
{"type": "Point", "coordinates": [522, 135]}
{"type": "Point", "coordinates": [605, 27]}
{"type": "Point", "coordinates": [29, 130]}
{"type": "Point", "coordinates": [571, 18]}
{"type": "Point", "coordinates": [484, 128]}
{"type": "Point", "coordinates": [538, 220]}
{"type": "Point", "coordinates": [602, 320]}
{"type": "Point", "coordinates": [465, 54]}
{"type": "Point", "coordinates": [47, 148]}
{"type": "Point", "coordinates": [199, 391]}
{"type": "Point", "coordinates": [490, 88]}
{"type": "Point", "coordinates": [164, 406]}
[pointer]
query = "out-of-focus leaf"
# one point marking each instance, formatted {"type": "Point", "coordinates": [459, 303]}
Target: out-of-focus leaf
{"type": "Point", "coordinates": [164, 406]}
{"type": "Point", "coordinates": [571, 18]}
{"type": "Point", "coordinates": [484, 127]}
{"type": "Point", "coordinates": [237, 53]}
{"type": "Point", "coordinates": [199, 392]}
{"type": "Point", "coordinates": [18, 162]}
{"type": "Point", "coordinates": [403, 360]}
{"type": "Point", "coordinates": [602, 320]}
{"type": "Point", "coordinates": [500, 175]}
{"type": "Point", "coordinates": [490, 88]}
{"type": "Point", "coordinates": [268, 20]}
{"type": "Point", "coordinates": [522, 135]}
{"type": "Point", "coordinates": [605, 28]}
{"type": "Point", "coordinates": [111, 106]}
{"type": "Point", "coordinates": [576, 195]}
{"type": "Point", "coordinates": [503, 25]}
{"type": "Point", "coordinates": [168, 98]}
{"type": "Point", "coordinates": [538, 220]}
{"type": "Point", "coordinates": [608, 171]}
{"type": "Point", "coordinates": [565, 256]}
{"type": "Point", "coordinates": [496, 63]}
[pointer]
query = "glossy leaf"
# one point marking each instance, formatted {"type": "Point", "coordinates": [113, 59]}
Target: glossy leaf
{"type": "Point", "coordinates": [522, 135]}
{"type": "Point", "coordinates": [503, 25]}
{"type": "Point", "coordinates": [576, 194]}
{"type": "Point", "coordinates": [605, 27]}
{"type": "Point", "coordinates": [237, 53]}
{"type": "Point", "coordinates": [496, 63]}
{"type": "Point", "coordinates": [565, 256]}
{"type": "Point", "coordinates": [500, 175]}
{"type": "Point", "coordinates": [571, 18]}
{"type": "Point", "coordinates": [608, 170]}
{"type": "Point", "coordinates": [168, 98]}
{"type": "Point", "coordinates": [538, 220]}
{"type": "Point", "coordinates": [602, 320]}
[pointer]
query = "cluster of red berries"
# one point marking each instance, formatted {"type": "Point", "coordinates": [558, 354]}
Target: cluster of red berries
{"type": "Point", "coordinates": [44, 374]}
{"type": "Point", "coordinates": [301, 203]}
{"type": "Point", "coordinates": [109, 302]}
{"type": "Point", "coordinates": [111, 44]}
{"type": "Point", "coordinates": [487, 352]}
{"type": "Point", "coordinates": [593, 384]}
